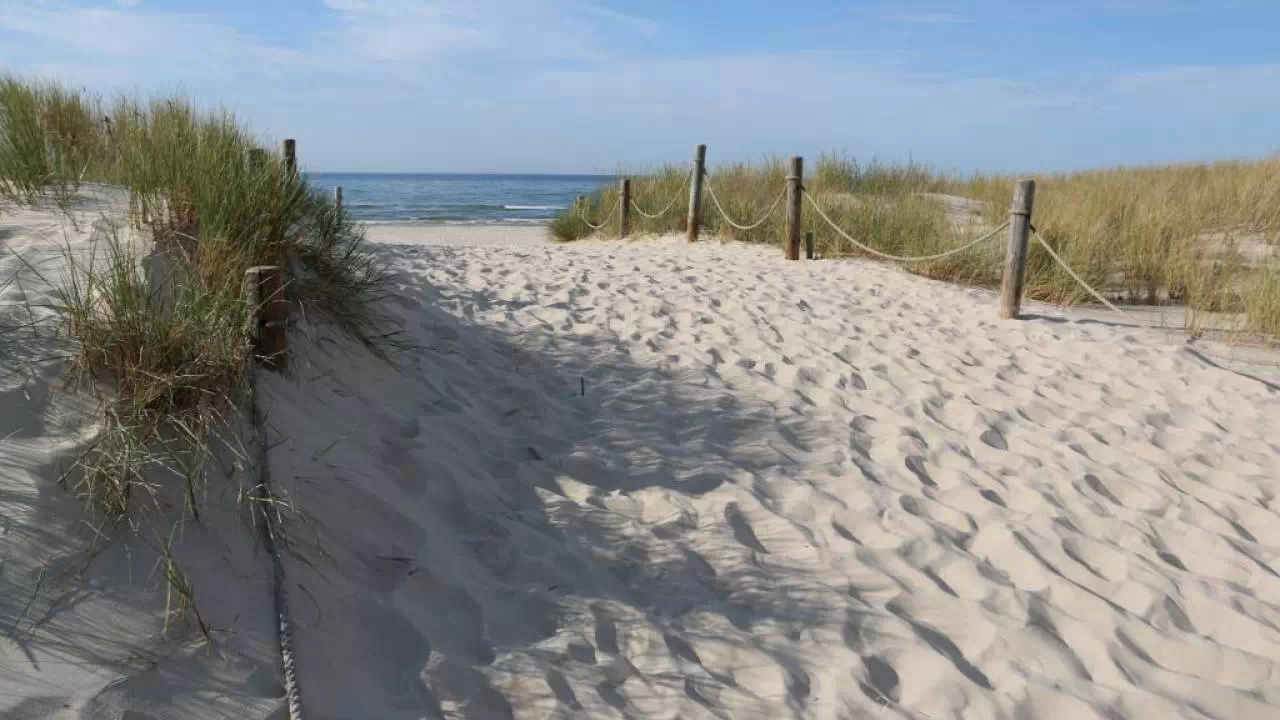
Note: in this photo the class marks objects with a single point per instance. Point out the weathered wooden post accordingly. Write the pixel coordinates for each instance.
(808, 245)
(624, 216)
(337, 199)
(1015, 266)
(269, 315)
(578, 203)
(695, 191)
(795, 186)
(289, 148)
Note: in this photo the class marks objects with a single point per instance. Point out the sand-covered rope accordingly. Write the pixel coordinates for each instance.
(271, 538)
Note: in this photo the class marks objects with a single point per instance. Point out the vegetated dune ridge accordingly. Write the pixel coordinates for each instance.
(83, 631)
(656, 480)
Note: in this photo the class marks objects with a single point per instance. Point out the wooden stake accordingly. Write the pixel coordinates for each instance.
(269, 312)
(794, 188)
(624, 215)
(337, 199)
(578, 203)
(289, 148)
(808, 245)
(1015, 266)
(695, 191)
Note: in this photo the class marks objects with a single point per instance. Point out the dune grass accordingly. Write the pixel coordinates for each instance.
(1203, 236)
(168, 333)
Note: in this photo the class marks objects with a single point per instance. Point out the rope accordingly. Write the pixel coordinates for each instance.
(901, 258)
(711, 191)
(270, 533)
(602, 222)
(1076, 277)
(670, 205)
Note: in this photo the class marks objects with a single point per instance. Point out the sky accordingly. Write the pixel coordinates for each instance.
(594, 85)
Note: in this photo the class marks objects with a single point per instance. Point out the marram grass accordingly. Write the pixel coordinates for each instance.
(214, 203)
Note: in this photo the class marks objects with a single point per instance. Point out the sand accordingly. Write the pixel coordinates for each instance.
(649, 480)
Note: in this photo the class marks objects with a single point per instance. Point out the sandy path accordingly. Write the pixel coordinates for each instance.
(652, 480)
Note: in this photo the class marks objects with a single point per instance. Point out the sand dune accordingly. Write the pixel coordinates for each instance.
(82, 602)
(650, 480)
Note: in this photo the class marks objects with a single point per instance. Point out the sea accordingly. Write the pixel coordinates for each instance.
(456, 199)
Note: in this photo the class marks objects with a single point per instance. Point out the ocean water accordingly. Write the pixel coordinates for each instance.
(456, 199)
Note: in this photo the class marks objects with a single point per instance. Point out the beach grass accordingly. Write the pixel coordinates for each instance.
(156, 308)
(1201, 236)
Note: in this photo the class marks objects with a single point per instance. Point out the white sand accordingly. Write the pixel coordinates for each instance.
(649, 480)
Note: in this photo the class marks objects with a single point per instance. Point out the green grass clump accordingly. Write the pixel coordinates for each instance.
(206, 200)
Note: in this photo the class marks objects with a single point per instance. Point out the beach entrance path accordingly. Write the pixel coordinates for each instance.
(654, 480)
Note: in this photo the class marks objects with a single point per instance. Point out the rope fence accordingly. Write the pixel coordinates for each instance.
(900, 258)
(674, 199)
(1019, 228)
(725, 216)
(603, 222)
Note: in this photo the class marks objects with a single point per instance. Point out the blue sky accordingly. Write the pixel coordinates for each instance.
(588, 85)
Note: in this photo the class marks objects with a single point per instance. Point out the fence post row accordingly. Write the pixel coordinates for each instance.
(289, 149)
(263, 292)
(794, 188)
(624, 218)
(1015, 267)
(695, 191)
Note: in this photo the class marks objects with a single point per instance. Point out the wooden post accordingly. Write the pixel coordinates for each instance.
(695, 191)
(337, 199)
(794, 188)
(269, 315)
(578, 203)
(1015, 267)
(289, 148)
(808, 245)
(624, 217)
